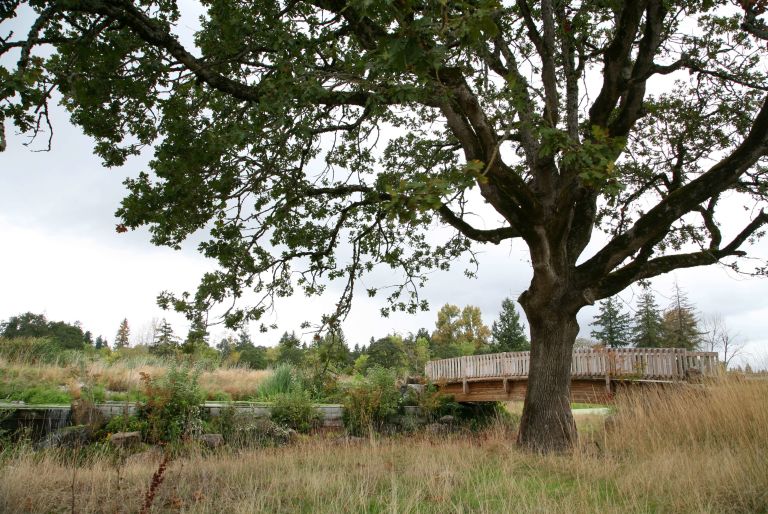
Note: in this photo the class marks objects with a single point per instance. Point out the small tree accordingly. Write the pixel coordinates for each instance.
(717, 337)
(680, 325)
(614, 325)
(289, 349)
(166, 342)
(197, 337)
(646, 326)
(101, 343)
(508, 331)
(123, 333)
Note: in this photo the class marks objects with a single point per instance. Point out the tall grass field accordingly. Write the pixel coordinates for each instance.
(696, 448)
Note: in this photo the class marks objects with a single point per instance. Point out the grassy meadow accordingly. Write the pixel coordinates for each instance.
(59, 383)
(692, 449)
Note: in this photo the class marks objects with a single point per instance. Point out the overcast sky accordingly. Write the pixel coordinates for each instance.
(60, 255)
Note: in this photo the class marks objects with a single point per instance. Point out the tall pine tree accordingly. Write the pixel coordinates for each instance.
(646, 326)
(680, 325)
(614, 325)
(165, 342)
(508, 332)
(121, 339)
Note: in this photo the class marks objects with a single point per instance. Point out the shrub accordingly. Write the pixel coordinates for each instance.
(125, 423)
(295, 410)
(478, 416)
(434, 404)
(172, 409)
(244, 430)
(369, 402)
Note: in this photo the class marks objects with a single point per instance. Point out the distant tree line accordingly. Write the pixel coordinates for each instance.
(458, 331)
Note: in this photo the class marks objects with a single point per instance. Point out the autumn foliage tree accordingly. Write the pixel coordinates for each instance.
(318, 139)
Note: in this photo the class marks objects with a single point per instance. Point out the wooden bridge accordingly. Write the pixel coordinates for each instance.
(596, 374)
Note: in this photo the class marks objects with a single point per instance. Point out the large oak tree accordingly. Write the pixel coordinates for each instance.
(318, 138)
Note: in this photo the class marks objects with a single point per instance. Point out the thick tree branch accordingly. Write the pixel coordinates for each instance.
(652, 226)
(640, 268)
(616, 56)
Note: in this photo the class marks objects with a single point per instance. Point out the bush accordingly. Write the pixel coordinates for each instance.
(125, 423)
(369, 402)
(478, 416)
(172, 409)
(295, 410)
(434, 404)
(244, 430)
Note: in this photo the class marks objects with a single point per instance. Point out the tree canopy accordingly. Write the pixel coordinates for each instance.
(317, 139)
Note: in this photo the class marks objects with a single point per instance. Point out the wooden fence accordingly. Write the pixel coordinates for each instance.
(621, 363)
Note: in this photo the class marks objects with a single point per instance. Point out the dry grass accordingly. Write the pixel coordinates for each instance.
(239, 383)
(690, 450)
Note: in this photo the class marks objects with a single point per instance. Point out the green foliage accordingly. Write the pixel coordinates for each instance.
(477, 416)
(123, 333)
(434, 404)
(387, 352)
(32, 350)
(614, 325)
(646, 326)
(243, 430)
(459, 332)
(172, 409)
(295, 410)
(370, 401)
(39, 394)
(125, 423)
(679, 324)
(282, 380)
(255, 357)
(66, 336)
(166, 343)
(508, 332)
(289, 350)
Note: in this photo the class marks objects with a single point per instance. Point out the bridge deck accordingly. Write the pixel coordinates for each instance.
(596, 374)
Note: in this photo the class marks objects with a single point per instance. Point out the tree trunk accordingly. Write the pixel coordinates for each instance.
(547, 423)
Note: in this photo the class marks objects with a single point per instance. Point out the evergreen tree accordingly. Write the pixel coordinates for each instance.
(121, 339)
(227, 345)
(289, 349)
(197, 337)
(646, 327)
(614, 324)
(166, 342)
(680, 325)
(243, 340)
(101, 343)
(508, 332)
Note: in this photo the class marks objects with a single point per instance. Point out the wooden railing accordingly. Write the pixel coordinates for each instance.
(625, 363)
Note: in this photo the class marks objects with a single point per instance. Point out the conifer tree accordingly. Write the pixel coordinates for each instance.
(121, 339)
(508, 332)
(646, 327)
(165, 342)
(613, 324)
(680, 324)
